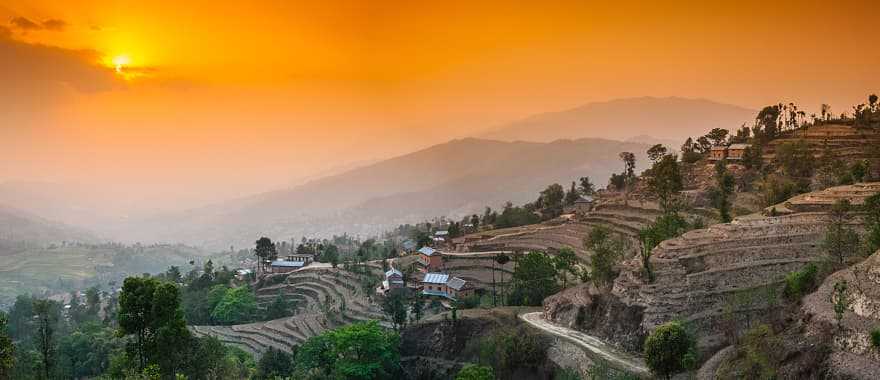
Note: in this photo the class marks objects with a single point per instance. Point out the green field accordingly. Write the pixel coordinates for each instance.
(61, 269)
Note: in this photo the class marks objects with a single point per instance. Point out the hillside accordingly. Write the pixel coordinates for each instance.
(20, 226)
(663, 118)
(454, 179)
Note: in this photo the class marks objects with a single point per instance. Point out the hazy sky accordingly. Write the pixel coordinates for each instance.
(182, 102)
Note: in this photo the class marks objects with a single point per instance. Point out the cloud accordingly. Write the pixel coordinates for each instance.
(54, 24)
(26, 25)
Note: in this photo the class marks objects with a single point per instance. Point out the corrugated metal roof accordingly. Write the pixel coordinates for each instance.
(393, 271)
(584, 199)
(738, 146)
(456, 283)
(427, 251)
(436, 278)
(287, 264)
(441, 233)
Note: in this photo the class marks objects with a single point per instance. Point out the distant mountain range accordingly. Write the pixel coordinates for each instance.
(21, 226)
(663, 118)
(451, 179)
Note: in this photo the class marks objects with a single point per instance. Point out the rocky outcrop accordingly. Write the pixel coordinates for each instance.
(704, 272)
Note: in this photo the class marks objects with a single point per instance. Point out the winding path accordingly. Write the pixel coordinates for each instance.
(595, 346)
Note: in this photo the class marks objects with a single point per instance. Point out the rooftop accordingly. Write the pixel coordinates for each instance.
(427, 251)
(393, 271)
(738, 146)
(456, 283)
(288, 264)
(436, 278)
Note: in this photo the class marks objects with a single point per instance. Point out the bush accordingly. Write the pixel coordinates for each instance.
(670, 349)
(475, 372)
(800, 282)
(875, 338)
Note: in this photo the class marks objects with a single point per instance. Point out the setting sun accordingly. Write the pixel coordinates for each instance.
(120, 61)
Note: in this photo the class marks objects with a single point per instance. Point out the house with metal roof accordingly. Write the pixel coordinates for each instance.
(442, 285)
(430, 259)
(285, 266)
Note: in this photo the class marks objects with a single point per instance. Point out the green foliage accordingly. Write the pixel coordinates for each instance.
(512, 216)
(586, 187)
(357, 351)
(86, 352)
(275, 364)
(778, 189)
(280, 308)
(475, 372)
(566, 263)
(795, 159)
(607, 252)
(664, 180)
(571, 195)
(601, 370)
(840, 300)
(551, 201)
(7, 350)
(47, 313)
(760, 349)
(670, 349)
(395, 307)
(510, 350)
(800, 282)
(150, 311)
(840, 240)
(875, 338)
(752, 157)
(238, 305)
(871, 208)
(720, 194)
(534, 279)
(265, 250)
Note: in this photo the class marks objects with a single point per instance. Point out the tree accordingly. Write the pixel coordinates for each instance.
(565, 262)
(826, 111)
(238, 305)
(718, 136)
(279, 308)
(841, 301)
(629, 164)
(669, 350)
(275, 364)
(665, 181)
(840, 240)
(475, 372)
(551, 200)
(358, 351)
(703, 144)
(607, 251)
(720, 194)
(871, 209)
(394, 306)
(47, 316)
(93, 302)
(331, 255)
(586, 187)
(265, 251)
(534, 279)
(572, 195)
(151, 312)
(656, 152)
(416, 308)
(7, 350)
(501, 259)
(795, 159)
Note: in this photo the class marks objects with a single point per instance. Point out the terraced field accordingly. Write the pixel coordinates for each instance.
(320, 293)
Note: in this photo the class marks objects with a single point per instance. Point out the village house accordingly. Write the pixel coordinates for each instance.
(582, 205)
(441, 236)
(306, 258)
(442, 285)
(285, 266)
(717, 153)
(732, 152)
(430, 259)
(736, 151)
(393, 280)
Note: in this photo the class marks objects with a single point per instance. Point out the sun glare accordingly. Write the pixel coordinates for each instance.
(120, 61)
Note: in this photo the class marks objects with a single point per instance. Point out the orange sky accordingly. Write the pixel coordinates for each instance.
(234, 98)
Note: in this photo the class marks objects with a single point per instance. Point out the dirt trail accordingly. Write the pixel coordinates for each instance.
(595, 346)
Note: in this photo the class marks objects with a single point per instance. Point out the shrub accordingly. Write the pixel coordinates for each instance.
(799, 282)
(475, 372)
(670, 349)
(875, 338)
